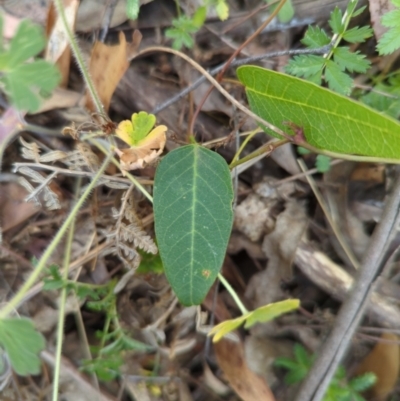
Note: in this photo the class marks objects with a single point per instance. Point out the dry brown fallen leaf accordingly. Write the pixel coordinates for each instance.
(247, 384)
(107, 66)
(383, 361)
(149, 149)
(58, 50)
(14, 209)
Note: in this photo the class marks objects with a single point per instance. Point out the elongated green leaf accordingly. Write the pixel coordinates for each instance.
(23, 344)
(223, 328)
(269, 312)
(260, 315)
(193, 219)
(329, 121)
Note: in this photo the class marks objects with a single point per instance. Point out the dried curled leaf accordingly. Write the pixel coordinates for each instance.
(145, 144)
(50, 198)
(31, 151)
(145, 152)
(129, 234)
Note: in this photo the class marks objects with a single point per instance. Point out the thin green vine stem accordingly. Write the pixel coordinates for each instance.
(344, 156)
(267, 148)
(233, 294)
(63, 300)
(79, 59)
(245, 142)
(337, 38)
(10, 306)
(130, 177)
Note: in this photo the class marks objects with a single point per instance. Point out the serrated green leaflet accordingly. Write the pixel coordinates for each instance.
(193, 219)
(142, 123)
(329, 121)
(25, 83)
(22, 344)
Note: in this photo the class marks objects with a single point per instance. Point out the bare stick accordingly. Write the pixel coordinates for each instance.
(235, 63)
(326, 364)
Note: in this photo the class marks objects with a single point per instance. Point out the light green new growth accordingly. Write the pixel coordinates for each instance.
(339, 61)
(390, 41)
(26, 82)
(340, 388)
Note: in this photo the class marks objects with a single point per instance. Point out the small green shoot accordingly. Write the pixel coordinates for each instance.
(114, 343)
(339, 62)
(390, 41)
(182, 32)
(23, 344)
(132, 9)
(26, 82)
(340, 389)
(184, 27)
(385, 96)
(150, 264)
(134, 131)
(109, 360)
(323, 163)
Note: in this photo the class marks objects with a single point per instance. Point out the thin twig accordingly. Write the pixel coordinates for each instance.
(77, 173)
(218, 87)
(235, 63)
(232, 57)
(345, 246)
(326, 364)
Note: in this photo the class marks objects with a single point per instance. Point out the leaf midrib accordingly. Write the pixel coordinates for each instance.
(193, 221)
(329, 112)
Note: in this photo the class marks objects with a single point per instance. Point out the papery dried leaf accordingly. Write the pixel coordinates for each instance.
(27, 185)
(52, 156)
(30, 150)
(91, 159)
(137, 157)
(111, 184)
(58, 50)
(128, 237)
(72, 131)
(139, 238)
(34, 175)
(50, 198)
(107, 66)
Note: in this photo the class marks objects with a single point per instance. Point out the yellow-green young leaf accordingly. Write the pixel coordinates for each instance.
(199, 16)
(222, 329)
(134, 131)
(329, 121)
(193, 219)
(269, 312)
(222, 9)
(22, 344)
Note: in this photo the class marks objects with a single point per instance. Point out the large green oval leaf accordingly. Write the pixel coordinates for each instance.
(330, 121)
(193, 219)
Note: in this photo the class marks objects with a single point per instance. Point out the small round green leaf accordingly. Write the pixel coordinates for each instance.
(193, 219)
